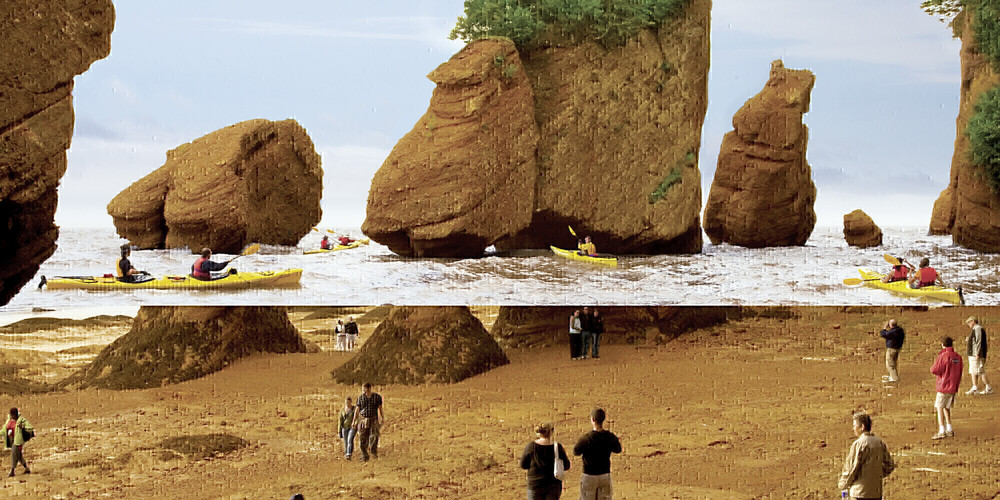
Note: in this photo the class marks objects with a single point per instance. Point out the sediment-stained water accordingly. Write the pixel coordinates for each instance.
(371, 275)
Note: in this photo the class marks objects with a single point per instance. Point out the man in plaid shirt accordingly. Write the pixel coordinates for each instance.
(368, 419)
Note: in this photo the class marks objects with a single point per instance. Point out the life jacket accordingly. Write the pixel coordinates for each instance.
(589, 249)
(344, 240)
(927, 276)
(197, 272)
(325, 244)
(118, 268)
(899, 272)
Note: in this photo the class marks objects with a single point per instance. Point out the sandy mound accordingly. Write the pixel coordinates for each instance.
(416, 345)
(173, 344)
(34, 324)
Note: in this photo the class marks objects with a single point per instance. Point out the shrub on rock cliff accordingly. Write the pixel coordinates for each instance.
(984, 136)
(524, 21)
(986, 26)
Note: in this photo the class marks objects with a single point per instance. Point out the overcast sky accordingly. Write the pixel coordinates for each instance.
(882, 120)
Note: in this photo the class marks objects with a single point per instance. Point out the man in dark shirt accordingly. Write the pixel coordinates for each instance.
(368, 420)
(894, 336)
(596, 448)
(587, 331)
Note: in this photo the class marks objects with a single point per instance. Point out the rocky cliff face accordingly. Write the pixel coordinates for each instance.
(167, 345)
(417, 345)
(257, 181)
(763, 194)
(610, 145)
(967, 208)
(860, 230)
(521, 326)
(45, 43)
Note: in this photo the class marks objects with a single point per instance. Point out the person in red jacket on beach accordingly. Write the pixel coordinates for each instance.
(948, 369)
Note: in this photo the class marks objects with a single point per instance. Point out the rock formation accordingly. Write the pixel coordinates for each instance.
(763, 194)
(45, 44)
(967, 208)
(167, 345)
(860, 230)
(416, 345)
(605, 140)
(464, 176)
(519, 325)
(257, 181)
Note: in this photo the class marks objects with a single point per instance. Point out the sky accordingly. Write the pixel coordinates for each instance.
(881, 122)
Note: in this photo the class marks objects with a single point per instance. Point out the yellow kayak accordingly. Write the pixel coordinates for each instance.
(873, 279)
(263, 279)
(354, 244)
(573, 255)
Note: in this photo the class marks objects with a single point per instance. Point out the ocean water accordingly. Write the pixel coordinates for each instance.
(372, 275)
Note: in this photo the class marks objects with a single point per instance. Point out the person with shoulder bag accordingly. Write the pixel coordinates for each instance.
(17, 431)
(546, 462)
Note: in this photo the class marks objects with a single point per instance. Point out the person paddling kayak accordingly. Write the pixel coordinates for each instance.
(900, 272)
(203, 267)
(326, 244)
(345, 240)
(586, 247)
(124, 270)
(926, 275)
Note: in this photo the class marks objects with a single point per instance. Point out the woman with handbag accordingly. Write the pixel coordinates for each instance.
(546, 462)
(17, 430)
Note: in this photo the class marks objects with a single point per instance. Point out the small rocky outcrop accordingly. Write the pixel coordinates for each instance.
(968, 209)
(603, 139)
(860, 230)
(417, 345)
(167, 345)
(45, 43)
(763, 194)
(257, 181)
(521, 325)
(464, 176)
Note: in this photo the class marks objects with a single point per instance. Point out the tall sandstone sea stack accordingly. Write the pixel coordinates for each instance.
(516, 145)
(967, 208)
(763, 194)
(257, 181)
(43, 45)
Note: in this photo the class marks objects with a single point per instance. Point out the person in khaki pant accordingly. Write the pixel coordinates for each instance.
(868, 462)
(596, 448)
(894, 337)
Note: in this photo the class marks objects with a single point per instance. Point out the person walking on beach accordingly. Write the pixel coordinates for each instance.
(596, 448)
(539, 459)
(575, 330)
(341, 336)
(976, 351)
(351, 328)
(948, 370)
(586, 332)
(596, 329)
(16, 431)
(346, 427)
(368, 420)
(894, 337)
(868, 462)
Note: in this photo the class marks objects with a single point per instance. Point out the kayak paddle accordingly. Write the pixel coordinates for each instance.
(858, 281)
(250, 250)
(890, 259)
(571, 231)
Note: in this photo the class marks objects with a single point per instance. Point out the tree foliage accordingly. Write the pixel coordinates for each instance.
(945, 10)
(984, 136)
(986, 26)
(611, 22)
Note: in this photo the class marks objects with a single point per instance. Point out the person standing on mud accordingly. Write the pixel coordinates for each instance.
(346, 427)
(16, 431)
(539, 459)
(976, 351)
(597, 328)
(894, 337)
(868, 462)
(586, 332)
(948, 369)
(341, 336)
(596, 448)
(368, 420)
(575, 329)
(351, 328)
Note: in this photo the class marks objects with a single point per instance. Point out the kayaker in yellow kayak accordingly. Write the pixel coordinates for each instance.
(345, 240)
(326, 244)
(203, 267)
(900, 272)
(586, 247)
(124, 270)
(926, 275)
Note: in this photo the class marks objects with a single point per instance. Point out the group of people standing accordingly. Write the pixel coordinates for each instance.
(347, 334)
(585, 329)
(546, 461)
(362, 420)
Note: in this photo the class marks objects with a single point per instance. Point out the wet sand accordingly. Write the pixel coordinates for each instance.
(757, 408)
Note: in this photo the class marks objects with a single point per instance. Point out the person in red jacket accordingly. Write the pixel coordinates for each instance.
(898, 273)
(926, 275)
(948, 369)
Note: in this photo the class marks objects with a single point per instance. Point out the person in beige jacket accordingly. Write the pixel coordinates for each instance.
(867, 463)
